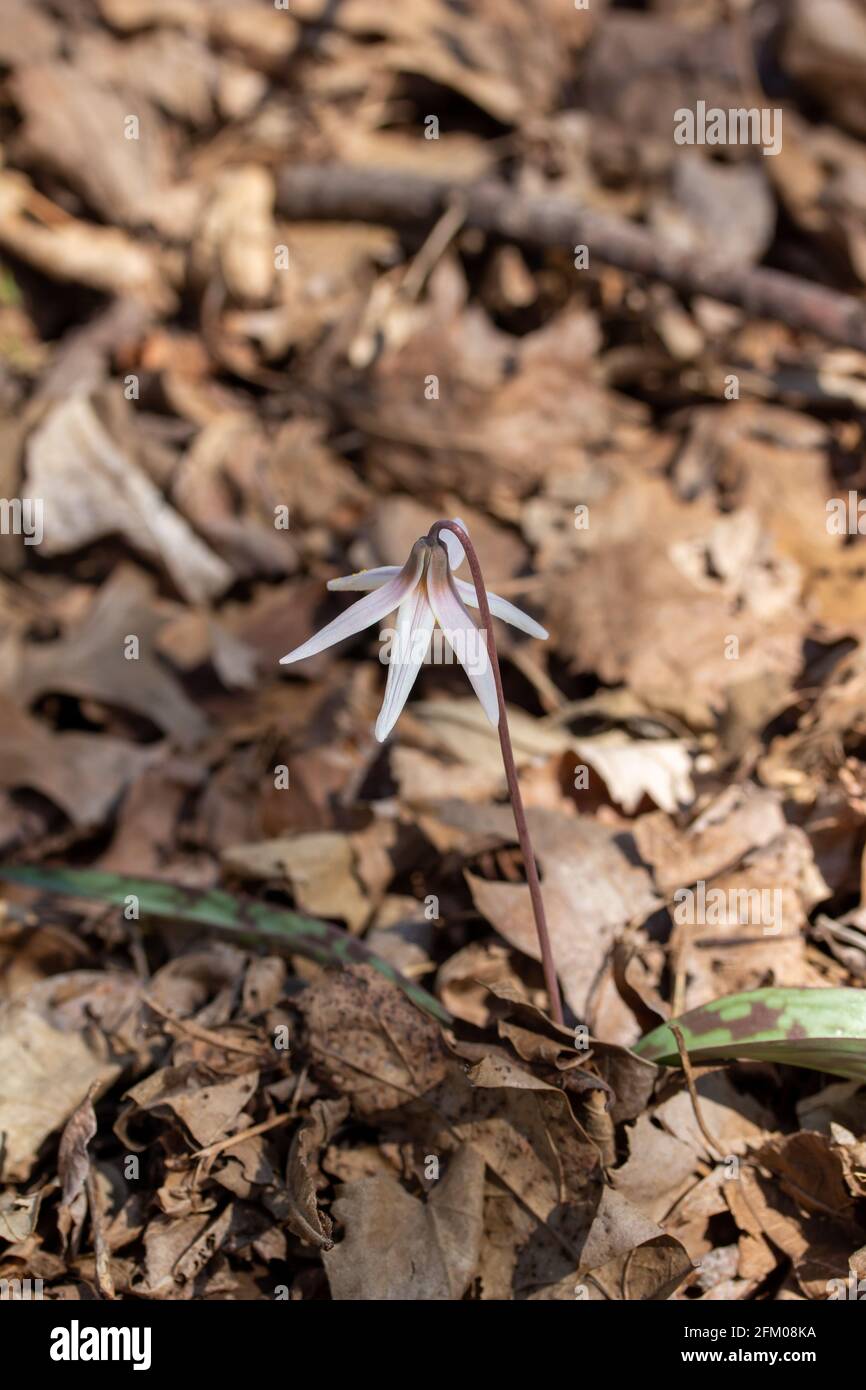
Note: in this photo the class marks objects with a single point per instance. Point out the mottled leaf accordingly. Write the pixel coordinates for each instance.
(822, 1029)
(220, 911)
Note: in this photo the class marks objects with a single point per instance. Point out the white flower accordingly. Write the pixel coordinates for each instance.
(424, 591)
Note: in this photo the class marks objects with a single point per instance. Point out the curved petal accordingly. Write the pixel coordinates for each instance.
(367, 610)
(415, 623)
(456, 553)
(501, 608)
(461, 634)
(365, 579)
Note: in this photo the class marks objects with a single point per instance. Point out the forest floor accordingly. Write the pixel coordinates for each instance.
(225, 381)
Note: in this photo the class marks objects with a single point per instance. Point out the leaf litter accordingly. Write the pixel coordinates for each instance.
(272, 1022)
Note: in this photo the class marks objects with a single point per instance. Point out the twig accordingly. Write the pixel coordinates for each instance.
(195, 1030)
(211, 1150)
(550, 980)
(206, 1158)
(346, 193)
(689, 1074)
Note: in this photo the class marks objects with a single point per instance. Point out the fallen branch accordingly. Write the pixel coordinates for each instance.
(345, 193)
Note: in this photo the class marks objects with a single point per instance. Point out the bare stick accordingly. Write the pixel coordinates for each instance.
(688, 1072)
(525, 842)
(394, 198)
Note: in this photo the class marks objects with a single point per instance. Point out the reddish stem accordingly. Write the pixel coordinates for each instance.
(525, 842)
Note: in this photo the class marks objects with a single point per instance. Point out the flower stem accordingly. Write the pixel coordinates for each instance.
(524, 840)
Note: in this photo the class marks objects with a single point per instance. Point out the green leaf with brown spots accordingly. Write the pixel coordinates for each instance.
(250, 921)
(822, 1029)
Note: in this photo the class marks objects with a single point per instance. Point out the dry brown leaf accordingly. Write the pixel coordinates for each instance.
(84, 774)
(45, 1075)
(397, 1247)
(321, 869)
(73, 1162)
(370, 1042)
(208, 1108)
(630, 768)
(72, 456)
(304, 1215)
(66, 115)
(626, 1256)
(660, 1168)
(591, 890)
(67, 249)
(90, 663)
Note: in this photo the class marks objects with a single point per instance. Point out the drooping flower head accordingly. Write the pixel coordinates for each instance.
(424, 592)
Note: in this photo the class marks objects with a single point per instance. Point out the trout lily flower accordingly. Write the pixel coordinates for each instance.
(424, 592)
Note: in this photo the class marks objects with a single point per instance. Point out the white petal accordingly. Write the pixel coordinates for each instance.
(456, 553)
(415, 622)
(365, 579)
(367, 610)
(501, 608)
(467, 641)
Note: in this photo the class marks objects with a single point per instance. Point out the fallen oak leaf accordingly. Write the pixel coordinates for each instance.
(627, 1080)
(72, 455)
(88, 663)
(84, 774)
(320, 866)
(398, 1247)
(168, 1240)
(630, 768)
(206, 1108)
(817, 1247)
(810, 1169)
(592, 890)
(43, 1074)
